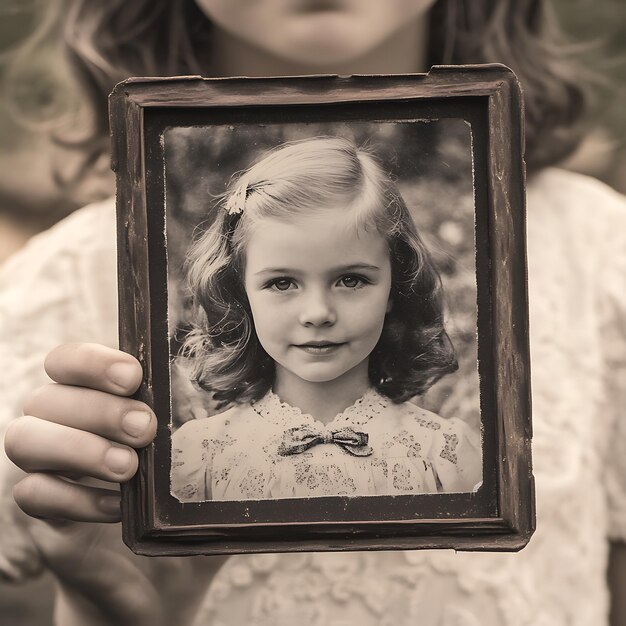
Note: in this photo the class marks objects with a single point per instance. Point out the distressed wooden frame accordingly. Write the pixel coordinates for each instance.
(501, 515)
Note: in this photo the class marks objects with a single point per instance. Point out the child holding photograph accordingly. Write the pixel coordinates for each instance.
(61, 289)
(320, 314)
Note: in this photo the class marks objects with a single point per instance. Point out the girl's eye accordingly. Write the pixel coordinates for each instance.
(281, 284)
(351, 282)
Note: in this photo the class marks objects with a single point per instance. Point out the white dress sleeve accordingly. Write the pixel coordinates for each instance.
(612, 313)
(61, 287)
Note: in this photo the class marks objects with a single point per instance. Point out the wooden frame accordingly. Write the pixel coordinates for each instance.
(498, 516)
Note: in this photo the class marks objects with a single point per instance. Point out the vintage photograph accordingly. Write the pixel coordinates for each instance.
(322, 310)
(326, 288)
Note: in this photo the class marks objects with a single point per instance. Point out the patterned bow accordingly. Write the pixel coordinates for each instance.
(301, 438)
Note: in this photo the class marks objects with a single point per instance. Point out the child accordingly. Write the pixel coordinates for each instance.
(62, 289)
(313, 287)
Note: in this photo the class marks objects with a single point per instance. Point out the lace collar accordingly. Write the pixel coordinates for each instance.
(274, 410)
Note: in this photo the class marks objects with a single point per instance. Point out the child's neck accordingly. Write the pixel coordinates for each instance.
(322, 400)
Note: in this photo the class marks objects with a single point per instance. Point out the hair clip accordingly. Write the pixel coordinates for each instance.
(237, 200)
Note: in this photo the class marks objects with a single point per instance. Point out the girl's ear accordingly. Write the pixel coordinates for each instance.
(389, 305)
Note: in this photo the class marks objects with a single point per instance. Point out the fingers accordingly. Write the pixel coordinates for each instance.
(114, 417)
(95, 366)
(82, 425)
(49, 497)
(38, 445)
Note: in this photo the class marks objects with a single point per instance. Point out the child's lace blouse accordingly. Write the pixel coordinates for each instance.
(253, 452)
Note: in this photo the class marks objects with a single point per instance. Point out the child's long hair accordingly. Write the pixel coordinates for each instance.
(111, 40)
(302, 178)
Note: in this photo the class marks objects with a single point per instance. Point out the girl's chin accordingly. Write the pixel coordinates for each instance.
(321, 41)
(319, 378)
(322, 375)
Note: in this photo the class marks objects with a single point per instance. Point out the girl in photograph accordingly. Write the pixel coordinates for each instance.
(320, 315)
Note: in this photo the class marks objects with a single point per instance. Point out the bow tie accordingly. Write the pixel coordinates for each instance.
(301, 438)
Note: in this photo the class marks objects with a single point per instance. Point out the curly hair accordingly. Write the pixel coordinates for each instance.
(312, 175)
(109, 41)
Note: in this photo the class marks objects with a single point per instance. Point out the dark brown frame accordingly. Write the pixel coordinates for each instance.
(500, 515)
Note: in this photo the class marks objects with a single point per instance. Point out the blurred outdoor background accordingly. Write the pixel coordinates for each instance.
(41, 118)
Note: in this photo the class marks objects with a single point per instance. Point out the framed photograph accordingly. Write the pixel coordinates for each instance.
(324, 279)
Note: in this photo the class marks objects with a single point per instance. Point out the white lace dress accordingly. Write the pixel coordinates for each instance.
(62, 288)
(256, 451)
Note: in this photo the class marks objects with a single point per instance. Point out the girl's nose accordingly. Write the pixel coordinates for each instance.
(317, 310)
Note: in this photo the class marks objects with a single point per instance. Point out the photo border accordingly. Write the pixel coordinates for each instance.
(500, 515)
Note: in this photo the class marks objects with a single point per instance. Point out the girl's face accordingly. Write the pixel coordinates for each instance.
(314, 31)
(319, 291)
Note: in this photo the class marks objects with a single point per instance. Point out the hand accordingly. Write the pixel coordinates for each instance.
(85, 426)
(82, 425)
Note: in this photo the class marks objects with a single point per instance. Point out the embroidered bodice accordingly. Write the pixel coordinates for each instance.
(240, 454)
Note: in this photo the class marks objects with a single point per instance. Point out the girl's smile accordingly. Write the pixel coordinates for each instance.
(318, 289)
(320, 348)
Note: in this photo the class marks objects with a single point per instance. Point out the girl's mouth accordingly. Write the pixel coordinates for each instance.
(319, 347)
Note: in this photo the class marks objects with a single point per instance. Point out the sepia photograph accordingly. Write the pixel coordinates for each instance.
(314, 310)
(326, 291)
